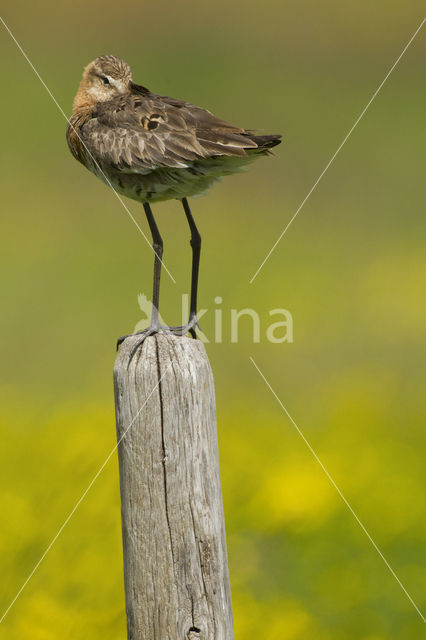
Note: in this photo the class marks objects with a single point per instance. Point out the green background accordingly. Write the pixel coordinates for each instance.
(351, 270)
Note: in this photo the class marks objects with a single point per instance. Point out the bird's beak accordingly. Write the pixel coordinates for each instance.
(138, 88)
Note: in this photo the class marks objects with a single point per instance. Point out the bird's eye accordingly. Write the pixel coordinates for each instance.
(105, 80)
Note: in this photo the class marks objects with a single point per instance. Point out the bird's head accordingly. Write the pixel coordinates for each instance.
(103, 79)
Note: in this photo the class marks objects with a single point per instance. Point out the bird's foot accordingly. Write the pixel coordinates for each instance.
(182, 330)
(149, 331)
(189, 327)
(144, 334)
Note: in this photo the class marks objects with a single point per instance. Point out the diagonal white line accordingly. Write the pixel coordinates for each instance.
(337, 489)
(337, 151)
(107, 180)
(82, 497)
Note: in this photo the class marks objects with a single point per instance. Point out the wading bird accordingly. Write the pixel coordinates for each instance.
(151, 148)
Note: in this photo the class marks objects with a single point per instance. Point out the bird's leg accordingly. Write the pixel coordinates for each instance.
(157, 245)
(196, 251)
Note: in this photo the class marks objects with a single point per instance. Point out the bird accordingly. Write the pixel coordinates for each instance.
(153, 148)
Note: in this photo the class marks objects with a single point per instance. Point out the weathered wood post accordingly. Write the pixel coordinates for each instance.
(175, 562)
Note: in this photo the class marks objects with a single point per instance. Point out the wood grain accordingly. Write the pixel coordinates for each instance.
(175, 561)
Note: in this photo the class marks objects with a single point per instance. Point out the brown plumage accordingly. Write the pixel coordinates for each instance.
(152, 147)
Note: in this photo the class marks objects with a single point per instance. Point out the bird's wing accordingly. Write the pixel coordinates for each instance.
(137, 133)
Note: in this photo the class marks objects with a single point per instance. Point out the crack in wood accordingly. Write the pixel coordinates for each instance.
(163, 446)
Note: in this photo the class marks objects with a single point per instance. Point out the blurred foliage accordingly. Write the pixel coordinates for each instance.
(351, 270)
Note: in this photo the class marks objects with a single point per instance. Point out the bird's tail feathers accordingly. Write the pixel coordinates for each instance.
(266, 142)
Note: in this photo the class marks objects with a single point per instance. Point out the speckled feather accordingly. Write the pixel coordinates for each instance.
(151, 147)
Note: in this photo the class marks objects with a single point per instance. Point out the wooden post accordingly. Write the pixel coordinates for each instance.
(175, 562)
